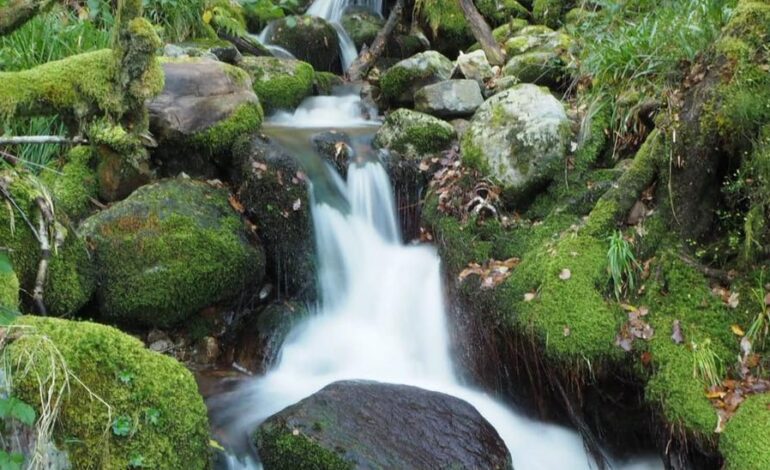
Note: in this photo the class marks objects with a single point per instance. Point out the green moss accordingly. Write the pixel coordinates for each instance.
(395, 81)
(128, 380)
(70, 281)
(78, 85)
(500, 11)
(593, 136)
(9, 290)
(445, 21)
(362, 27)
(472, 154)
(258, 14)
(548, 12)
(280, 448)
(246, 119)
(169, 250)
(414, 134)
(745, 443)
(324, 82)
(280, 83)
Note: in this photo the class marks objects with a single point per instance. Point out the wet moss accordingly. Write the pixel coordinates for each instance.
(745, 443)
(167, 251)
(9, 290)
(279, 447)
(548, 12)
(324, 82)
(74, 183)
(158, 396)
(445, 21)
(499, 12)
(414, 134)
(280, 83)
(218, 139)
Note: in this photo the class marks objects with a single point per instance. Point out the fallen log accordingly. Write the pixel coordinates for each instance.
(483, 33)
(366, 59)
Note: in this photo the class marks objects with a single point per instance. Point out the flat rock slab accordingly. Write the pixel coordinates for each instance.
(449, 99)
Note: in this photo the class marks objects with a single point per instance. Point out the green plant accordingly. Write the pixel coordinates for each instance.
(622, 264)
(122, 426)
(706, 364)
(760, 326)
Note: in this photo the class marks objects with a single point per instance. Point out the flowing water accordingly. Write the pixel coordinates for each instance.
(382, 314)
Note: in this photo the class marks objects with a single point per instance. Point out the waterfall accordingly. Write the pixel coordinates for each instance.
(382, 314)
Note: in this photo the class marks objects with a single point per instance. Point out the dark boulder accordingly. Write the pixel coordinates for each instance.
(362, 424)
(336, 148)
(310, 39)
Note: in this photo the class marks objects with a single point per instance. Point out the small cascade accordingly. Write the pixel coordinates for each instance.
(320, 111)
(382, 314)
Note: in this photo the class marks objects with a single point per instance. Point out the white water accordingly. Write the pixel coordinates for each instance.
(382, 318)
(326, 111)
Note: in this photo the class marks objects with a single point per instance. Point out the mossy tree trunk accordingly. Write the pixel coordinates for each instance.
(15, 13)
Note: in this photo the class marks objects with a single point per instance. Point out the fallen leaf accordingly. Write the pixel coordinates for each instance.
(529, 297)
(297, 204)
(676, 334)
(624, 343)
(737, 331)
(424, 165)
(567, 331)
(565, 274)
(767, 299)
(712, 394)
(643, 311)
(646, 357)
(236, 204)
(732, 301)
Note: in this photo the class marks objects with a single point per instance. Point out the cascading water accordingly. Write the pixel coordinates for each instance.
(382, 313)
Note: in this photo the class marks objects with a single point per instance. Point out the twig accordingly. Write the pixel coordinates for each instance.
(359, 68)
(41, 139)
(45, 223)
(718, 274)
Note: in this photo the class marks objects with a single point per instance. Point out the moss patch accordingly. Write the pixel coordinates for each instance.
(218, 139)
(279, 447)
(745, 443)
(9, 290)
(414, 134)
(154, 394)
(279, 83)
(74, 183)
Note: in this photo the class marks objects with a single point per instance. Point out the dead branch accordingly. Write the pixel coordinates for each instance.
(46, 223)
(17, 12)
(483, 33)
(360, 67)
(41, 139)
(726, 277)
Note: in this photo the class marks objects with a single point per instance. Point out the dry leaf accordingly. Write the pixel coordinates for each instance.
(737, 331)
(676, 334)
(236, 204)
(732, 301)
(565, 274)
(567, 331)
(529, 297)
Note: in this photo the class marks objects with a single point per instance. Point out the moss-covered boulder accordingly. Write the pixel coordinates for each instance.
(541, 68)
(74, 183)
(273, 190)
(413, 134)
(549, 12)
(361, 25)
(123, 407)
(279, 83)
(402, 80)
(498, 12)
(310, 39)
(519, 137)
(362, 424)
(745, 443)
(70, 278)
(445, 25)
(169, 250)
(450, 98)
(217, 49)
(9, 286)
(537, 39)
(324, 82)
(205, 105)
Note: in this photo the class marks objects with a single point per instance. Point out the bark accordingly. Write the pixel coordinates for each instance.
(17, 12)
(483, 33)
(360, 67)
(244, 44)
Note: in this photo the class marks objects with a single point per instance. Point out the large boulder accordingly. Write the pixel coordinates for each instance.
(308, 38)
(205, 105)
(519, 137)
(401, 81)
(501, 11)
(449, 99)
(361, 424)
(538, 55)
(169, 250)
(279, 83)
(69, 283)
(414, 134)
(121, 406)
(272, 188)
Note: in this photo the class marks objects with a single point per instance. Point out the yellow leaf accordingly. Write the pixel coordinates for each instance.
(207, 15)
(715, 394)
(737, 331)
(216, 445)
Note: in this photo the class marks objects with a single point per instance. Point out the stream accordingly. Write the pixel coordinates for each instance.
(381, 314)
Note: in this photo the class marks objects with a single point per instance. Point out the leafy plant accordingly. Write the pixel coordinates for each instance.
(11, 460)
(153, 416)
(122, 426)
(760, 326)
(125, 377)
(137, 461)
(706, 364)
(622, 264)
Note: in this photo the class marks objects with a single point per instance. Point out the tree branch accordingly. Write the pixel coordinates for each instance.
(17, 12)
(366, 59)
(41, 139)
(483, 33)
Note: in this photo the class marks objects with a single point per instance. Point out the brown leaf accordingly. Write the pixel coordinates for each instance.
(732, 301)
(567, 330)
(737, 331)
(646, 358)
(236, 204)
(529, 297)
(676, 334)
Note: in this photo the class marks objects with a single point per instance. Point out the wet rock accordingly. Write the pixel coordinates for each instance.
(216, 49)
(279, 83)
(272, 188)
(413, 134)
(400, 82)
(204, 106)
(450, 98)
(475, 66)
(361, 424)
(520, 137)
(335, 147)
(310, 39)
(169, 250)
(361, 25)
(259, 341)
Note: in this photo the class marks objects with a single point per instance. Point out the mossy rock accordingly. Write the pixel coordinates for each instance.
(413, 134)
(538, 39)
(9, 289)
(219, 49)
(445, 24)
(279, 83)
(70, 282)
(324, 82)
(74, 182)
(204, 107)
(169, 250)
(310, 39)
(272, 188)
(361, 25)
(402, 80)
(549, 12)
(745, 443)
(540, 68)
(498, 12)
(112, 379)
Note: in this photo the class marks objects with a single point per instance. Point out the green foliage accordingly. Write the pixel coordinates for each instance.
(122, 426)
(760, 326)
(706, 364)
(13, 408)
(622, 264)
(11, 461)
(745, 442)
